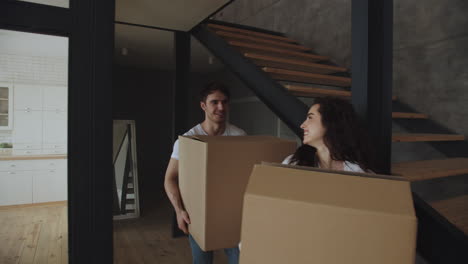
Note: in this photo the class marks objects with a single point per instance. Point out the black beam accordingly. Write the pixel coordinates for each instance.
(181, 82)
(90, 167)
(287, 107)
(439, 241)
(372, 36)
(146, 26)
(35, 18)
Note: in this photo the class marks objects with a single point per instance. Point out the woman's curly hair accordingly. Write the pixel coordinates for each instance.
(345, 136)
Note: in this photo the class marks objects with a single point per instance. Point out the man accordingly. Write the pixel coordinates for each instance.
(214, 100)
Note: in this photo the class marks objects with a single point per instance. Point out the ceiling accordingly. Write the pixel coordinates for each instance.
(152, 48)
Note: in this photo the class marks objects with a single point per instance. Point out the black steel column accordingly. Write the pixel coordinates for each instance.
(181, 82)
(181, 99)
(372, 36)
(90, 132)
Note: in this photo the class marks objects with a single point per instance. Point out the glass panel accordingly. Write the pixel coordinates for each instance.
(59, 3)
(33, 147)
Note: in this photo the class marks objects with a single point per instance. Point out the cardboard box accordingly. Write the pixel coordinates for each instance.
(213, 175)
(296, 214)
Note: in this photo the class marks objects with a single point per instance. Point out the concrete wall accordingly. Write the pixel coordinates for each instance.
(430, 57)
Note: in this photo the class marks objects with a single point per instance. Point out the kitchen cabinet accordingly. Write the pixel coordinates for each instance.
(27, 128)
(40, 123)
(33, 181)
(28, 97)
(55, 98)
(6, 106)
(54, 127)
(51, 184)
(15, 187)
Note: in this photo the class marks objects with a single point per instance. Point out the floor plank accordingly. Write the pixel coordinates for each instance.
(33, 233)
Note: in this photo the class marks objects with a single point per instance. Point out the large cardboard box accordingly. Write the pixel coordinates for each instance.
(213, 175)
(301, 215)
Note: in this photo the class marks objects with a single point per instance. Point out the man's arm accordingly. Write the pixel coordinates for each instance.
(171, 184)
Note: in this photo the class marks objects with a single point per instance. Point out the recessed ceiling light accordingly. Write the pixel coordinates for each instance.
(124, 51)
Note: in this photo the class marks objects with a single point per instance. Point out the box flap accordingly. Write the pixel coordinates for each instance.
(246, 139)
(359, 174)
(377, 194)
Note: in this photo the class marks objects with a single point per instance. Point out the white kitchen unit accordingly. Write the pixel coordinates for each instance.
(6, 106)
(15, 187)
(28, 97)
(51, 184)
(33, 181)
(40, 122)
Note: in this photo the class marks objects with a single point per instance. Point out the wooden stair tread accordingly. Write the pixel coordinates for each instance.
(307, 77)
(309, 91)
(409, 115)
(292, 64)
(431, 169)
(250, 32)
(241, 37)
(399, 137)
(455, 210)
(314, 91)
(277, 51)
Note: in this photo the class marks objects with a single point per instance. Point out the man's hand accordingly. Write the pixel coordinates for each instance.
(183, 220)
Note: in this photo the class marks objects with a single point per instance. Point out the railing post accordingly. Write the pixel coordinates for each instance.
(372, 37)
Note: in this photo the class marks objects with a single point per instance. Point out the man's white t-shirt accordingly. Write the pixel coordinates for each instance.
(230, 130)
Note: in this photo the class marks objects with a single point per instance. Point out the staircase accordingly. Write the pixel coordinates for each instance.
(300, 72)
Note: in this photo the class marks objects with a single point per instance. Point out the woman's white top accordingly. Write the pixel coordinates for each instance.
(348, 166)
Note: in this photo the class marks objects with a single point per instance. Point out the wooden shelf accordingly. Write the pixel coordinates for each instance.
(397, 137)
(250, 32)
(306, 77)
(292, 64)
(270, 42)
(431, 169)
(280, 52)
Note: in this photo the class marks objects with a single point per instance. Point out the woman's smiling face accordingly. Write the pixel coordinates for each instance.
(313, 128)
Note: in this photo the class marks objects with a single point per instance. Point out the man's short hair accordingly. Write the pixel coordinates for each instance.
(211, 88)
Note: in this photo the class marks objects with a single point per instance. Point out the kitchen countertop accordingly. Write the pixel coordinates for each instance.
(32, 157)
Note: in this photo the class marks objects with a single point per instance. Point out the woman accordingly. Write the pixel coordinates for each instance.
(333, 138)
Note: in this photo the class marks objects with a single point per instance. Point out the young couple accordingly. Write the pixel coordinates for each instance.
(333, 139)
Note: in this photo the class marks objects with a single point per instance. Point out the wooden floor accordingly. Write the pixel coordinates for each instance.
(34, 234)
(38, 234)
(148, 238)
